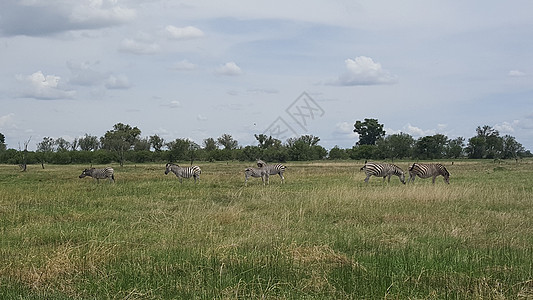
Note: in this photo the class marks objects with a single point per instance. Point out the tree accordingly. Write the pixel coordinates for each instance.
(2, 142)
(395, 146)
(228, 142)
(487, 143)
(511, 148)
(120, 139)
(305, 148)
(210, 144)
(156, 142)
(88, 143)
(431, 147)
(454, 148)
(62, 144)
(369, 131)
(266, 142)
(338, 153)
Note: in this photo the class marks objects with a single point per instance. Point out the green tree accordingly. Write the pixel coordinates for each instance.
(455, 148)
(88, 143)
(511, 148)
(431, 147)
(62, 145)
(369, 131)
(2, 142)
(267, 141)
(228, 142)
(395, 146)
(156, 142)
(210, 144)
(338, 153)
(305, 148)
(120, 139)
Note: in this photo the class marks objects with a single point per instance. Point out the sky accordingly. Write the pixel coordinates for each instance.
(200, 69)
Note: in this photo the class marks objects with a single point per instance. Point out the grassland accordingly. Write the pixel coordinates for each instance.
(322, 235)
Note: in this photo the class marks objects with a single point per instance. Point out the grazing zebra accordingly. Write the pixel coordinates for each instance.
(187, 172)
(255, 172)
(98, 174)
(272, 170)
(428, 170)
(383, 170)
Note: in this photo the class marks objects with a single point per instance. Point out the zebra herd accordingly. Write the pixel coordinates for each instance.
(264, 171)
(421, 170)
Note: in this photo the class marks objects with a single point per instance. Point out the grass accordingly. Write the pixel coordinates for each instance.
(324, 234)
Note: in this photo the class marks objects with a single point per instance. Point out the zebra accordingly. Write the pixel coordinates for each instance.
(255, 172)
(98, 174)
(428, 170)
(181, 173)
(382, 170)
(272, 170)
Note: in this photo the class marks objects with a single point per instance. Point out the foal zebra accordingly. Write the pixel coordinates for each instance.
(428, 170)
(186, 172)
(98, 174)
(272, 170)
(383, 170)
(255, 172)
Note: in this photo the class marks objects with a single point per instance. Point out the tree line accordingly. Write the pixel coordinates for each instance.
(124, 143)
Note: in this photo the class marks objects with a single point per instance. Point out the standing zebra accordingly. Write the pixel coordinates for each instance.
(428, 170)
(272, 170)
(98, 174)
(187, 172)
(255, 172)
(383, 170)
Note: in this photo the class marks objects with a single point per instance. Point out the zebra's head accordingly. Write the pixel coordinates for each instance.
(86, 172)
(167, 168)
(402, 177)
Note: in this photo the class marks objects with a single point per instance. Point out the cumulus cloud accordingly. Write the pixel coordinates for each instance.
(516, 73)
(201, 118)
(184, 65)
(138, 47)
(364, 71)
(39, 18)
(416, 131)
(229, 69)
(117, 82)
(42, 87)
(172, 104)
(183, 33)
(506, 127)
(6, 120)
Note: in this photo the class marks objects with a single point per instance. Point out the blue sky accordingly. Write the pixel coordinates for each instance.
(199, 69)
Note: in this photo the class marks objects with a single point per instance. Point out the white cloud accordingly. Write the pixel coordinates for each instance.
(506, 127)
(138, 47)
(418, 132)
(117, 82)
(201, 118)
(184, 65)
(182, 33)
(364, 71)
(516, 73)
(39, 86)
(6, 120)
(229, 69)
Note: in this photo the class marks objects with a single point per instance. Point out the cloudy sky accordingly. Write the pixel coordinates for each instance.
(199, 69)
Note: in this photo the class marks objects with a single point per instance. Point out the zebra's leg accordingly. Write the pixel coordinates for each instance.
(367, 177)
(434, 179)
(181, 179)
(245, 180)
(282, 178)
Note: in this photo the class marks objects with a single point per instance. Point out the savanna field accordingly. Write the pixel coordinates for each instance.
(324, 234)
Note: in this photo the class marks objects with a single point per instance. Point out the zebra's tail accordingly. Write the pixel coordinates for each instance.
(411, 167)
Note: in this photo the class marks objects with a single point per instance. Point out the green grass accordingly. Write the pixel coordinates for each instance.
(324, 234)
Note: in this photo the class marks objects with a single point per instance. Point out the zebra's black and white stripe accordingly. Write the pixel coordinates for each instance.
(272, 169)
(428, 170)
(186, 172)
(383, 170)
(255, 172)
(98, 174)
